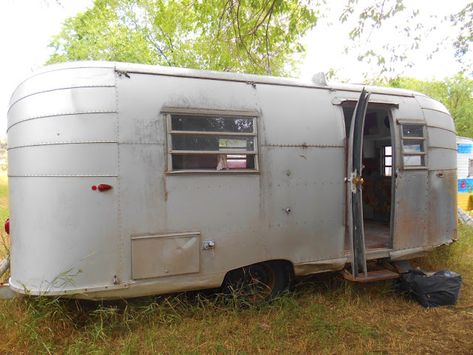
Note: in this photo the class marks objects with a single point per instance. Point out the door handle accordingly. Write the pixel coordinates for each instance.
(358, 181)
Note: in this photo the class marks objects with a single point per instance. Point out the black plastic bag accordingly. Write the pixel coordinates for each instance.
(432, 290)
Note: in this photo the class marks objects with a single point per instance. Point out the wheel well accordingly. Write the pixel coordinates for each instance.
(286, 264)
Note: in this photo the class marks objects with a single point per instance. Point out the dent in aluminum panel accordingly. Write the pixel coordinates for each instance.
(64, 235)
(62, 79)
(63, 102)
(71, 128)
(63, 159)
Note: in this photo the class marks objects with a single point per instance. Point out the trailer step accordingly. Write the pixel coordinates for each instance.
(372, 276)
(402, 266)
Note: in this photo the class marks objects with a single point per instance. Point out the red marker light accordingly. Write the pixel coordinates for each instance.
(7, 226)
(94, 187)
(104, 187)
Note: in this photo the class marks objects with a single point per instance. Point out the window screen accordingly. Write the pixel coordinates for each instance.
(413, 146)
(212, 143)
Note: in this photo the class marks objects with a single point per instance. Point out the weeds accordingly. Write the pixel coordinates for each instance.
(322, 315)
(4, 254)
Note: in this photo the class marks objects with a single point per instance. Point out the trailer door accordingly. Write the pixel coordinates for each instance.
(355, 185)
(413, 183)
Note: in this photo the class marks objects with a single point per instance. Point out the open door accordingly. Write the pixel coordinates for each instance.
(355, 186)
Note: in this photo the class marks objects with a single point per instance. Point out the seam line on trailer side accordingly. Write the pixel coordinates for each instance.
(302, 146)
(58, 89)
(60, 114)
(58, 69)
(437, 147)
(442, 128)
(245, 81)
(119, 212)
(426, 247)
(63, 175)
(40, 144)
(433, 109)
(454, 169)
(83, 142)
(144, 143)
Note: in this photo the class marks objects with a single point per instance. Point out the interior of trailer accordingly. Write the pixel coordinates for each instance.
(378, 162)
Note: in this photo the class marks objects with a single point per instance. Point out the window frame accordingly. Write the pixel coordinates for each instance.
(383, 160)
(168, 112)
(405, 139)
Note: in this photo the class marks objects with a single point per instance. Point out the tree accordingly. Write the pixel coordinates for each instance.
(455, 93)
(228, 35)
(415, 32)
(464, 21)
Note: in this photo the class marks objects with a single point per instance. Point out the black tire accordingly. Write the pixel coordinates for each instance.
(259, 282)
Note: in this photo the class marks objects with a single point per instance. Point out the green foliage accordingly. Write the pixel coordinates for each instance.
(464, 21)
(455, 93)
(414, 28)
(227, 35)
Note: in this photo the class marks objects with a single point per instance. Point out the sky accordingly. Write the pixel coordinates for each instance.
(26, 28)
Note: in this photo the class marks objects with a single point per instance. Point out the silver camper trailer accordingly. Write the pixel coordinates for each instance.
(128, 180)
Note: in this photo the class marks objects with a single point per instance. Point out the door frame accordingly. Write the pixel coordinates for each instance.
(354, 189)
(389, 106)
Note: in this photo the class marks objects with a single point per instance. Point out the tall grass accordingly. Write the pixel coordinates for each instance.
(323, 314)
(4, 213)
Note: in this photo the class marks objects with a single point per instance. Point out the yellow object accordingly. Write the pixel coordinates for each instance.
(465, 201)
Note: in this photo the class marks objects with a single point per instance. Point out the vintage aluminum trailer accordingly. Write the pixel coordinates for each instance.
(128, 180)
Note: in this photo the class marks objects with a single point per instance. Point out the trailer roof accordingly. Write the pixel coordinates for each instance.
(227, 76)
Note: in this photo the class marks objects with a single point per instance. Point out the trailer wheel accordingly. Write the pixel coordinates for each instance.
(259, 282)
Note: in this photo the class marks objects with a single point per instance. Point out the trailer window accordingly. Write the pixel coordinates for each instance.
(387, 152)
(413, 146)
(215, 143)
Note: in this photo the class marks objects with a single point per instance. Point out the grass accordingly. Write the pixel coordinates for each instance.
(4, 245)
(322, 315)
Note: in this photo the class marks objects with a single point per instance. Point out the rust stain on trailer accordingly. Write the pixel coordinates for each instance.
(165, 189)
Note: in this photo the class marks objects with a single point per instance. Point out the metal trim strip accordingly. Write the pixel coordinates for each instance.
(62, 114)
(208, 112)
(442, 128)
(437, 147)
(60, 143)
(167, 235)
(63, 175)
(58, 89)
